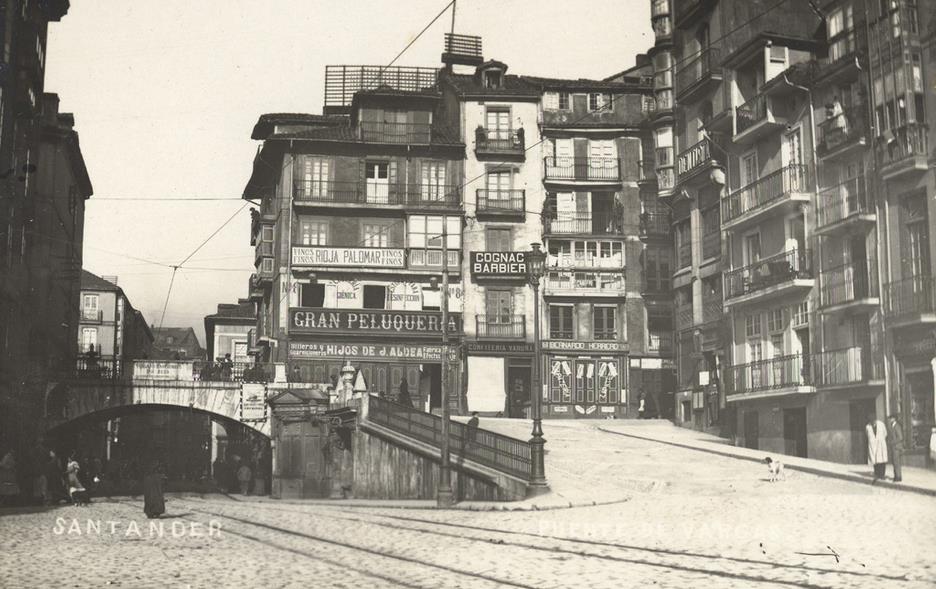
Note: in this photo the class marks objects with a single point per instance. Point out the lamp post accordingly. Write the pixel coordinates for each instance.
(536, 268)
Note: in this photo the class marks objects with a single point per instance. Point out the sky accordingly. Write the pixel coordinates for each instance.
(166, 92)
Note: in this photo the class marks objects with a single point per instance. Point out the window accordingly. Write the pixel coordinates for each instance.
(599, 101)
(425, 239)
(498, 123)
(314, 180)
(499, 239)
(752, 325)
(556, 101)
(657, 270)
(775, 320)
(313, 232)
(498, 184)
(800, 315)
(88, 338)
(433, 181)
(492, 78)
(90, 307)
(312, 295)
(604, 322)
(375, 296)
(841, 24)
(564, 101)
(560, 322)
(376, 234)
(498, 305)
(377, 177)
(915, 237)
(683, 244)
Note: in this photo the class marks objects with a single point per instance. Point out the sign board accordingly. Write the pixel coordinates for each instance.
(369, 257)
(365, 322)
(577, 346)
(253, 402)
(498, 264)
(498, 348)
(162, 370)
(299, 349)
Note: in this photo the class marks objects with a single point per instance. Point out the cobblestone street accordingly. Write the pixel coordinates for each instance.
(708, 521)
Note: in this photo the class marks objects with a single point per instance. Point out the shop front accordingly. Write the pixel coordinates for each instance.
(915, 354)
(397, 354)
(499, 378)
(585, 379)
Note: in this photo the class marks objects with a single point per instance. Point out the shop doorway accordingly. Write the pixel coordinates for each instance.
(750, 429)
(794, 432)
(431, 379)
(858, 412)
(518, 391)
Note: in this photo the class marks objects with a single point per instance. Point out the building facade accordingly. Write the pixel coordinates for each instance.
(176, 343)
(801, 225)
(109, 323)
(228, 331)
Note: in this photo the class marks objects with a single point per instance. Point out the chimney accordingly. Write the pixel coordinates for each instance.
(111, 279)
(50, 106)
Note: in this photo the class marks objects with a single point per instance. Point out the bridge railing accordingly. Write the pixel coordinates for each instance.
(95, 368)
(485, 447)
(232, 372)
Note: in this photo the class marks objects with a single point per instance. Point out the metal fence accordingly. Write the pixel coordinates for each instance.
(501, 453)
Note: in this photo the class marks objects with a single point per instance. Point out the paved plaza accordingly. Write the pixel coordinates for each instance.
(678, 518)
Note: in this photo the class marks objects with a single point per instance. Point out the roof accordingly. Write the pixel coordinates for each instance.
(583, 84)
(91, 281)
(515, 86)
(179, 334)
(268, 122)
(235, 311)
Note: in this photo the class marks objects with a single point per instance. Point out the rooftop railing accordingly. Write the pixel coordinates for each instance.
(343, 81)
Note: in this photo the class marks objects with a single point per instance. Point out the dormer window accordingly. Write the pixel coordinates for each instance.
(493, 79)
(490, 74)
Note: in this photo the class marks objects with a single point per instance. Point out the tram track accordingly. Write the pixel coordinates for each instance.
(579, 548)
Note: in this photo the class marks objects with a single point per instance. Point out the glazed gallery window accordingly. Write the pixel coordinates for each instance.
(376, 234)
(498, 123)
(433, 182)
(313, 232)
(424, 237)
(560, 321)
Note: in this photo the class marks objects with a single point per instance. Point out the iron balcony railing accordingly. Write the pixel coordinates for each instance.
(343, 81)
(763, 191)
(584, 224)
(856, 364)
(331, 191)
(500, 326)
(92, 315)
(574, 282)
(704, 64)
(694, 158)
(907, 141)
(561, 333)
(847, 283)
(500, 201)
(500, 141)
(591, 169)
(499, 452)
(659, 342)
(751, 112)
(838, 130)
(766, 375)
(377, 193)
(840, 202)
(386, 132)
(768, 272)
(910, 296)
(655, 224)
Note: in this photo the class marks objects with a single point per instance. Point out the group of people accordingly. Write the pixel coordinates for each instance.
(51, 484)
(239, 476)
(221, 369)
(885, 442)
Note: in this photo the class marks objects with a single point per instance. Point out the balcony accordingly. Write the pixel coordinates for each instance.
(845, 49)
(583, 169)
(431, 259)
(396, 133)
(903, 151)
(785, 274)
(684, 319)
(255, 291)
(696, 160)
(849, 367)
(757, 117)
(775, 193)
(851, 288)
(784, 375)
(655, 225)
(910, 301)
(500, 203)
(500, 144)
(575, 283)
(583, 260)
(583, 225)
(699, 74)
(263, 249)
(500, 326)
(660, 342)
(844, 207)
(325, 193)
(840, 136)
(92, 316)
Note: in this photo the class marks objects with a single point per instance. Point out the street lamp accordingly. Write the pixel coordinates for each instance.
(536, 268)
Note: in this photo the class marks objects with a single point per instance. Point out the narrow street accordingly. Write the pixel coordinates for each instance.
(707, 521)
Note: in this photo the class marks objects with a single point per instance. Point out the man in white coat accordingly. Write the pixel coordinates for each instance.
(877, 445)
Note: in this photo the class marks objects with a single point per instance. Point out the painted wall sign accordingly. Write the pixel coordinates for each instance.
(497, 348)
(332, 321)
(498, 264)
(253, 402)
(348, 256)
(577, 346)
(368, 351)
(156, 370)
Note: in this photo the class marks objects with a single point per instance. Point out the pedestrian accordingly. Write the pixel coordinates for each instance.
(296, 374)
(877, 446)
(472, 428)
(52, 469)
(404, 397)
(641, 405)
(244, 475)
(895, 445)
(154, 502)
(9, 487)
(76, 490)
(227, 367)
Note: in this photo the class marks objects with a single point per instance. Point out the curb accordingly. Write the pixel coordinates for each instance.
(807, 469)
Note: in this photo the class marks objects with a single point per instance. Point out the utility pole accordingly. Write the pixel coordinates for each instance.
(444, 497)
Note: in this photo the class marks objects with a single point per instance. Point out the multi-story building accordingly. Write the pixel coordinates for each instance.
(358, 208)
(107, 321)
(817, 257)
(176, 343)
(228, 331)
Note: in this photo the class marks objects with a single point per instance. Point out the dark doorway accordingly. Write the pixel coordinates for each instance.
(794, 432)
(433, 374)
(858, 411)
(750, 429)
(518, 391)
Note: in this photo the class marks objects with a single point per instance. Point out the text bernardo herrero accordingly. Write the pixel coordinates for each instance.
(154, 529)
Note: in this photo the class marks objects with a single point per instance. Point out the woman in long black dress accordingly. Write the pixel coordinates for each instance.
(154, 504)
